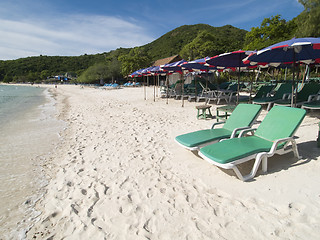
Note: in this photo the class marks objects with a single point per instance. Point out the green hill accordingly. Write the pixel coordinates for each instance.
(173, 42)
(220, 39)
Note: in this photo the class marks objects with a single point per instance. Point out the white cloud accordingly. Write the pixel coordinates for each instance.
(68, 35)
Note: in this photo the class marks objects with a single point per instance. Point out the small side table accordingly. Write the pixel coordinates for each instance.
(204, 111)
(227, 112)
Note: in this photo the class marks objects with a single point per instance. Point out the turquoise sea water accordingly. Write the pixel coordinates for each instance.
(29, 132)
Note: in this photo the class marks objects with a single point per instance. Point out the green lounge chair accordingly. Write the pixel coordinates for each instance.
(307, 90)
(313, 103)
(241, 118)
(283, 89)
(262, 92)
(273, 136)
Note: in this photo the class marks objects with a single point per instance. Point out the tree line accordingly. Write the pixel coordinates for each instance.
(190, 42)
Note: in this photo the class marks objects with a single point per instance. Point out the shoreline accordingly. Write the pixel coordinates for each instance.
(37, 127)
(119, 175)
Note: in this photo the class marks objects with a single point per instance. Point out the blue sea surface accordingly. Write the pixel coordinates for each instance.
(17, 100)
(29, 131)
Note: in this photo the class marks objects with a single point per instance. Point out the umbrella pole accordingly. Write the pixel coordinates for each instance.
(285, 74)
(158, 85)
(154, 88)
(207, 79)
(167, 82)
(293, 81)
(252, 78)
(182, 78)
(195, 88)
(238, 90)
(144, 87)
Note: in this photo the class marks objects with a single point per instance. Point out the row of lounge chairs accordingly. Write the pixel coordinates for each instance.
(268, 94)
(131, 84)
(230, 145)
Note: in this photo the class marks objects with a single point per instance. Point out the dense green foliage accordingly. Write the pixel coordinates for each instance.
(136, 59)
(308, 21)
(36, 68)
(271, 31)
(190, 41)
(229, 37)
(206, 39)
(209, 44)
(275, 29)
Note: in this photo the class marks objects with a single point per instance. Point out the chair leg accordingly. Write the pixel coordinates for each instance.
(260, 157)
(269, 106)
(265, 164)
(238, 173)
(295, 149)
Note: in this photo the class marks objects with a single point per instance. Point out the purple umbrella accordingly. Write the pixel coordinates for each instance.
(231, 60)
(175, 67)
(303, 50)
(136, 73)
(156, 71)
(199, 64)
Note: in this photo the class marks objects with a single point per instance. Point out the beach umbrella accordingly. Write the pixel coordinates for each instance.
(136, 73)
(293, 51)
(155, 71)
(231, 60)
(176, 67)
(173, 67)
(145, 72)
(200, 65)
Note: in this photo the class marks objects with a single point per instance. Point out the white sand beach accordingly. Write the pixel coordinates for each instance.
(118, 174)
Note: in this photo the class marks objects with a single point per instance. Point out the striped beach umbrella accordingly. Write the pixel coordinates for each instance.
(293, 51)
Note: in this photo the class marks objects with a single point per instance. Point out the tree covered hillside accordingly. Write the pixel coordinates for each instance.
(177, 41)
(189, 41)
(173, 42)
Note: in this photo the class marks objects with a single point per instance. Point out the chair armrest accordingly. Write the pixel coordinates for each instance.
(234, 132)
(313, 97)
(245, 131)
(216, 123)
(276, 143)
(286, 95)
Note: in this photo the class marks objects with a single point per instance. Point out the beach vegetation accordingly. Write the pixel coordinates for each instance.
(309, 20)
(225, 38)
(205, 44)
(272, 30)
(189, 41)
(136, 59)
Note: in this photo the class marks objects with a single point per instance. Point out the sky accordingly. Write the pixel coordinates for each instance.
(77, 27)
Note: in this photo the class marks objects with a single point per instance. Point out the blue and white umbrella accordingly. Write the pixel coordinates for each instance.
(293, 51)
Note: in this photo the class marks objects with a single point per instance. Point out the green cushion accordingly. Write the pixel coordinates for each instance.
(283, 101)
(284, 88)
(265, 100)
(242, 116)
(235, 148)
(280, 122)
(303, 95)
(313, 104)
(307, 90)
(263, 91)
(194, 139)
